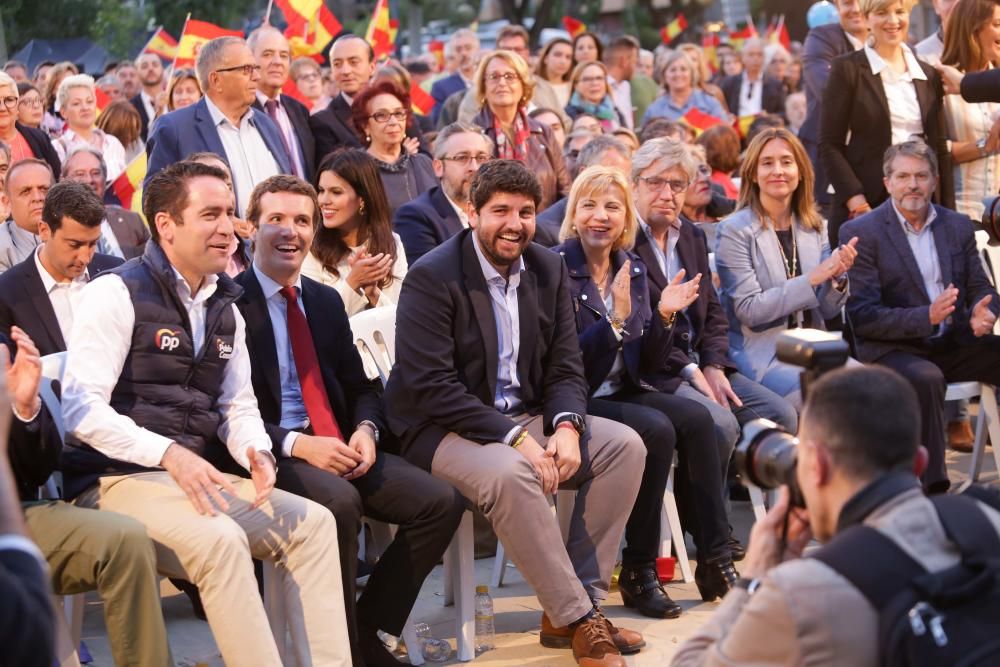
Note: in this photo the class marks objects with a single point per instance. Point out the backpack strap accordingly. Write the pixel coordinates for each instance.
(967, 526)
(872, 562)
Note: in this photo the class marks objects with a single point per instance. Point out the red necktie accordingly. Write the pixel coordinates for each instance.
(307, 366)
(271, 106)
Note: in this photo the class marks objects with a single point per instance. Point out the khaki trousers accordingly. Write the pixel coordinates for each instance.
(214, 553)
(87, 550)
(567, 578)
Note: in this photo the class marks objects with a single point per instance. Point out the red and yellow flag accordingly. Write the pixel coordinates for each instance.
(128, 186)
(101, 99)
(293, 91)
(777, 33)
(700, 121)
(380, 32)
(420, 101)
(742, 125)
(574, 26)
(709, 46)
(672, 30)
(311, 26)
(436, 47)
(196, 33)
(162, 44)
(738, 37)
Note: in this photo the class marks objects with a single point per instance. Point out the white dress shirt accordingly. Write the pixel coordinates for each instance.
(100, 343)
(751, 95)
(64, 296)
(249, 158)
(107, 144)
(900, 93)
(108, 244)
(621, 95)
(288, 132)
(294, 415)
(463, 217)
(147, 103)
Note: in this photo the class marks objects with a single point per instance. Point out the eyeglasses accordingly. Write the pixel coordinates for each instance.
(10, 102)
(247, 70)
(383, 116)
(28, 102)
(464, 159)
(656, 184)
(509, 77)
(93, 174)
(309, 76)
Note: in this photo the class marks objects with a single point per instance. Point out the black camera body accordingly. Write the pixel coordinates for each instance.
(766, 455)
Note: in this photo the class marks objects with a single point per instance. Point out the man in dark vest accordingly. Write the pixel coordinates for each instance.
(157, 384)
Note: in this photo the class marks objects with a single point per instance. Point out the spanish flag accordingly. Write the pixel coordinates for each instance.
(293, 91)
(420, 100)
(162, 44)
(742, 125)
(777, 33)
(195, 34)
(102, 100)
(436, 47)
(311, 26)
(700, 121)
(673, 29)
(738, 37)
(709, 46)
(573, 26)
(380, 33)
(128, 186)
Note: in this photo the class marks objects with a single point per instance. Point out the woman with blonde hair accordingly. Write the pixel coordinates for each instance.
(624, 334)
(972, 44)
(503, 89)
(184, 90)
(683, 92)
(774, 262)
(697, 56)
(592, 95)
(878, 96)
(77, 103)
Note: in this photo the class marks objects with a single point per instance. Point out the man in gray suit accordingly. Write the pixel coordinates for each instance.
(28, 181)
(123, 232)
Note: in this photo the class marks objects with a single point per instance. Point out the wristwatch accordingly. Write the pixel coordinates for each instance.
(578, 422)
(749, 585)
(370, 424)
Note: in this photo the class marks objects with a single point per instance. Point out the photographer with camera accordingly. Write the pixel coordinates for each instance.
(857, 457)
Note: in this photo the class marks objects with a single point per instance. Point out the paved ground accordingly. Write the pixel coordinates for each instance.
(518, 613)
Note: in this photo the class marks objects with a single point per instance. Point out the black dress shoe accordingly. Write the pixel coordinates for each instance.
(736, 549)
(715, 579)
(641, 590)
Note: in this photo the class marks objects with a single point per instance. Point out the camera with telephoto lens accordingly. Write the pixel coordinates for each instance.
(991, 219)
(766, 455)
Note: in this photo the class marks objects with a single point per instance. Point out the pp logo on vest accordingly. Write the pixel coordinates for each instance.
(167, 340)
(224, 348)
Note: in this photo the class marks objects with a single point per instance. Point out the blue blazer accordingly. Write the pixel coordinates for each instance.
(646, 343)
(425, 223)
(191, 130)
(889, 306)
(756, 293)
(444, 88)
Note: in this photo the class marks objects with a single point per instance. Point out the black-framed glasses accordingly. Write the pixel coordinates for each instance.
(656, 184)
(383, 116)
(10, 101)
(465, 158)
(247, 70)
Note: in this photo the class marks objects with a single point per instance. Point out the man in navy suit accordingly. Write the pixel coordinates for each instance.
(463, 47)
(441, 212)
(39, 294)
(274, 56)
(146, 102)
(753, 92)
(223, 122)
(823, 44)
(341, 462)
(920, 301)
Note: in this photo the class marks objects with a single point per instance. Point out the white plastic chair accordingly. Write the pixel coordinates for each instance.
(375, 337)
(563, 509)
(988, 421)
(671, 533)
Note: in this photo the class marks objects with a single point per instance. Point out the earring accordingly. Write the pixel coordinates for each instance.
(361, 207)
(368, 138)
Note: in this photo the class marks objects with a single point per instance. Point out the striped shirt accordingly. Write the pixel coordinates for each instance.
(978, 178)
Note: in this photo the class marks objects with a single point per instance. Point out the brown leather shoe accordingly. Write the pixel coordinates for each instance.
(626, 641)
(960, 436)
(593, 646)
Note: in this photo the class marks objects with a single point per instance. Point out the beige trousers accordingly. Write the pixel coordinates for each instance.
(214, 553)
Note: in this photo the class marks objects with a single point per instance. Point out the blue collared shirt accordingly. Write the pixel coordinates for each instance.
(924, 251)
(664, 107)
(503, 294)
(293, 408)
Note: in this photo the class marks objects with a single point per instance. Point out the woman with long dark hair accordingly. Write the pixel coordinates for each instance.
(355, 251)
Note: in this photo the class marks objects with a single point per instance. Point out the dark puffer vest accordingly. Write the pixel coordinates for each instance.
(163, 387)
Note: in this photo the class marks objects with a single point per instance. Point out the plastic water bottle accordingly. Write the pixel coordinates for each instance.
(432, 648)
(485, 630)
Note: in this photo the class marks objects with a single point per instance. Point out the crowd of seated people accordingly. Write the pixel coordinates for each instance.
(587, 294)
